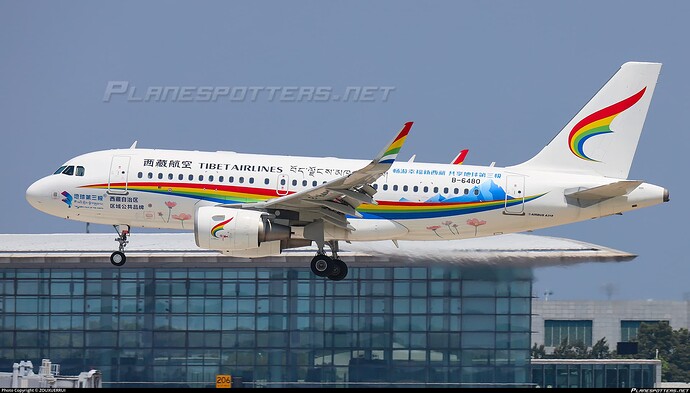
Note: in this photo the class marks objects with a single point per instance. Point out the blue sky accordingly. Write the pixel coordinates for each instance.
(498, 77)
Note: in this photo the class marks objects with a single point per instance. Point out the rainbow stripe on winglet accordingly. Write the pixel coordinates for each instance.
(390, 153)
(598, 123)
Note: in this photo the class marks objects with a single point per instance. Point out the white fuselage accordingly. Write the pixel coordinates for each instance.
(416, 201)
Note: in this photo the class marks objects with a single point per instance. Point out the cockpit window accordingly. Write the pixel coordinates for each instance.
(59, 170)
(69, 171)
(80, 171)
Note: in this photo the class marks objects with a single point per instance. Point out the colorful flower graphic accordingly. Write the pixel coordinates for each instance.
(448, 223)
(475, 222)
(170, 205)
(434, 228)
(182, 217)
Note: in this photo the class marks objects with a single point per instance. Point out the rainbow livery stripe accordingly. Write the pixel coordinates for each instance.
(389, 156)
(598, 123)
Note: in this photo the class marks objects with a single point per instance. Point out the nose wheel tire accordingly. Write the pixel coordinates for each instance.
(321, 265)
(118, 258)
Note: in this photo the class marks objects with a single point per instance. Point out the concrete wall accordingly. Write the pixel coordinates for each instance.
(606, 316)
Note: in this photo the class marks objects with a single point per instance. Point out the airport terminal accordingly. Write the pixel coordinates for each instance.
(426, 314)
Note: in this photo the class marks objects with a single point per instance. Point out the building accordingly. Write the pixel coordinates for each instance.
(23, 376)
(590, 321)
(441, 314)
(596, 373)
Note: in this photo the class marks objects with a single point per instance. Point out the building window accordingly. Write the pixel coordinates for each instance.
(555, 331)
(629, 329)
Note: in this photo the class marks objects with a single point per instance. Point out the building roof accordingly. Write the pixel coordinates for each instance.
(511, 250)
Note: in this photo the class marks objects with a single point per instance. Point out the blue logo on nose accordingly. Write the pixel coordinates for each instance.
(67, 199)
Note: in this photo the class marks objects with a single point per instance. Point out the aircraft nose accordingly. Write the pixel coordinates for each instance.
(37, 195)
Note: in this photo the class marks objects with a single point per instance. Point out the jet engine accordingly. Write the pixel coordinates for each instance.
(228, 229)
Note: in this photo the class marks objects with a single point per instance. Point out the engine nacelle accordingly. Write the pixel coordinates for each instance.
(221, 228)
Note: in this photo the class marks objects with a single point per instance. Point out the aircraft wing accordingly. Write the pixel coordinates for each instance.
(338, 198)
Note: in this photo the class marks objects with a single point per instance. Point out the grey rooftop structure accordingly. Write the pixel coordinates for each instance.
(511, 250)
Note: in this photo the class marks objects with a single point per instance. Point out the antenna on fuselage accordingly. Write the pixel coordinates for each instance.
(134, 145)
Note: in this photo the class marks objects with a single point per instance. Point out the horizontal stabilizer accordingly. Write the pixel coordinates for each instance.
(591, 196)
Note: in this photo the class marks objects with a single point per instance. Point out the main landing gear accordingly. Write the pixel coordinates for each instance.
(324, 266)
(118, 258)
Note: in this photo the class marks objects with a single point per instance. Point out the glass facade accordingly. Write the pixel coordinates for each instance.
(594, 375)
(272, 326)
(555, 331)
(629, 329)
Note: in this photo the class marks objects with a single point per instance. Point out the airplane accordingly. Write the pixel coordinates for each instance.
(253, 205)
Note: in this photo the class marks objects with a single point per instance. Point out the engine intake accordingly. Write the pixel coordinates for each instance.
(221, 228)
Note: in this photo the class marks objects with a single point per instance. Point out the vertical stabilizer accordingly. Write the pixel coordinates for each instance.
(602, 138)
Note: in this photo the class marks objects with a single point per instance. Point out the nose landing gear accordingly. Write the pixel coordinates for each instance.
(118, 258)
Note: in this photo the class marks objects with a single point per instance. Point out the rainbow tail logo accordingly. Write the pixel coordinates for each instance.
(67, 198)
(219, 227)
(618, 110)
(598, 123)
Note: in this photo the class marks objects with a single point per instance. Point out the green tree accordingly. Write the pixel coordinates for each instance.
(673, 349)
(538, 352)
(600, 350)
(576, 350)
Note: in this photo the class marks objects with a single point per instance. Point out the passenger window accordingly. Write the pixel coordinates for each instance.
(80, 171)
(180, 177)
(476, 191)
(251, 180)
(140, 175)
(282, 182)
(415, 188)
(170, 176)
(294, 182)
(231, 179)
(385, 187)
(210, 178)
(266, 181)
(445, 190)
(150, 175)
(426, 189)
(376, 186)
(466, 191)
(314, 183)
(220, 179)
(160, 175)
(69, 171)
(304, 183)
(191, 177)
(405, 188)
(201, 177)
(456, 191)
(435, 189)
(241, 179)
(59, 170)
(395, 187)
